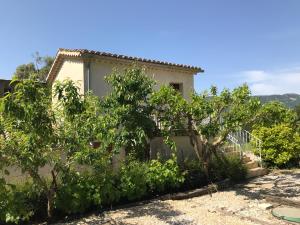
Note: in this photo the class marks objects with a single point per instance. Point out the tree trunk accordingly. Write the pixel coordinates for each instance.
(49, 191)
(50, 197)
(206, 160)
(194, 140)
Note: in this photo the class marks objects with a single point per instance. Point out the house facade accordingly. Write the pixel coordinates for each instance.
(88, 69)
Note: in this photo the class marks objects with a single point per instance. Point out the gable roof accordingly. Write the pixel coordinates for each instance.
(77, 53)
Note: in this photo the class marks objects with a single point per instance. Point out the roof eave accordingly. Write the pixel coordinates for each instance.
(78, 53)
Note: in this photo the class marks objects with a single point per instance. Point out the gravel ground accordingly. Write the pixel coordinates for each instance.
(241, 205)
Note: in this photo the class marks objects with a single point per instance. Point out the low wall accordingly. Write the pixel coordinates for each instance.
(16, 176)
(184, 151)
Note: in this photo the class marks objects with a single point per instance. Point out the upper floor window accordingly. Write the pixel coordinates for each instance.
(177, 86)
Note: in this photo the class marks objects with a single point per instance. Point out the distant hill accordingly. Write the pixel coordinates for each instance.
(290, 100)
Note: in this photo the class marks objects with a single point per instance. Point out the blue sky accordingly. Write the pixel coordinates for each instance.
(234, 41)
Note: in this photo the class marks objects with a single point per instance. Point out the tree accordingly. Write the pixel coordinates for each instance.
(127, 112)
(276, 125)
(280, 145)
(207, 118)
(28, 132)
(23, 71)
(40, 66)
(32, 135)
(274, 113)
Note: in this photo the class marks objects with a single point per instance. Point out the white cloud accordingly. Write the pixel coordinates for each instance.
(272, 82)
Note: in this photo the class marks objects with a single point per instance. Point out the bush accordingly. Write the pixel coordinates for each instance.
(133, 180)
(236, 170)
(77, 193)
(164, 176)
(280, 145)
(139, 179)
(21, 202)
(80, 192)
(194, 174)
(232, 168)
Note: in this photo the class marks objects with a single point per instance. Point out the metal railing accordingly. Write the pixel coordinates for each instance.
(235, 144)
(247, 142)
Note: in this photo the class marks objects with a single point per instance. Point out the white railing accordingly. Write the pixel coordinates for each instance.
(235, 144)
(247, 142)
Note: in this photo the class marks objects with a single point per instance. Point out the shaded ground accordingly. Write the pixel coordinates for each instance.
(241, 205)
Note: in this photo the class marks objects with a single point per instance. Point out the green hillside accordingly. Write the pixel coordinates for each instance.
(290, 100)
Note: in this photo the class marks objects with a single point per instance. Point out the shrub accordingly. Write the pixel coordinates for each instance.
(133, 180)
(232, 168)
(280, 145)
(236, 170)
(164, 176)
(21, 202)
(109, 190)
(77, 193)
(139, 179)
(194, 174)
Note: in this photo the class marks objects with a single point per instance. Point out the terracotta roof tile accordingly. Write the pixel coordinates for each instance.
(85, 52)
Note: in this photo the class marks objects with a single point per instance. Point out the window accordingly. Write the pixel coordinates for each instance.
(6, 91)
(177, 86)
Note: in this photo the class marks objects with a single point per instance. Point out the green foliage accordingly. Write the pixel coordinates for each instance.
(41, 67)
(231, 168)
(297, 110)
(28, 123)
(139, 179)
(77, 193)
(274, 113)
(71, 109)
(20, 202)
(224, 112)
(164, 176)
(127, 111)
(207, 118)
(24, 71)
(133, 180)
(280, 145)
(33, 135)
(34, 132)
(194, 174)
(236, 170)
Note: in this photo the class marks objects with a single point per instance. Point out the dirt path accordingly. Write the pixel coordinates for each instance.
(241, 205)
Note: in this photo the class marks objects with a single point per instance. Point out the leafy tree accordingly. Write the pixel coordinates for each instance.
(280, 144)
(276, 126)
(274, 113)
(24, 71)
(207, 118)
(41, 66)
(28, 132)
(33, 136)
(45, 66)
(127, 112)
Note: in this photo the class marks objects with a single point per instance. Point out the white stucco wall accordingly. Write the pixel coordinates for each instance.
(165, 77)
(184, 149)
(98, 70)
(72, 69)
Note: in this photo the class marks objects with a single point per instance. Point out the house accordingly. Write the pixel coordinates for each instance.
(88, 69)
(4, 87)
